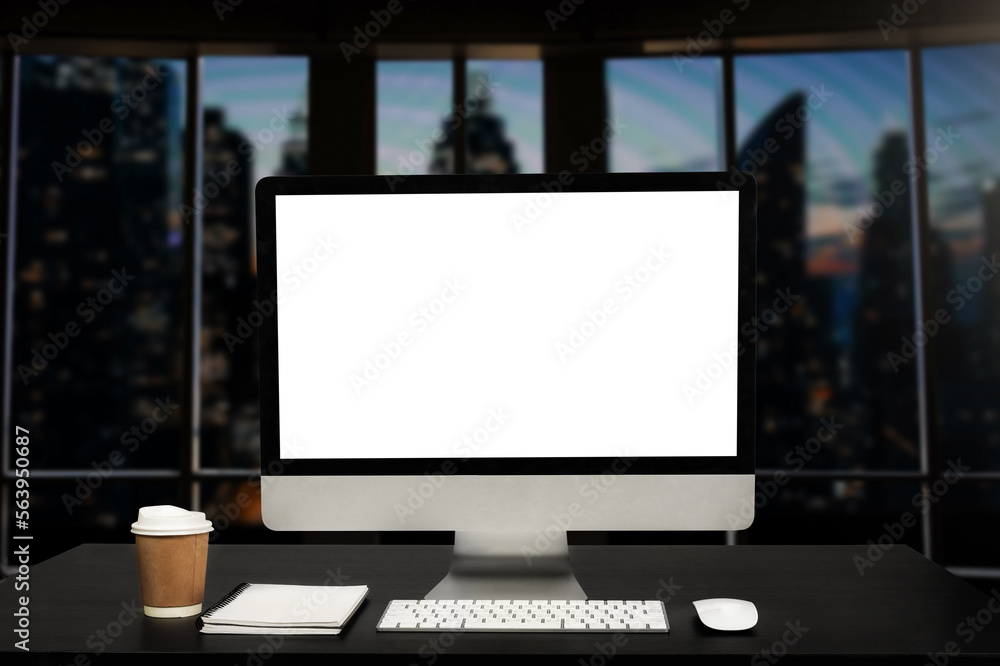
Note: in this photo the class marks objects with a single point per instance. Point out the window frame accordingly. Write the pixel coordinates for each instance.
(191, 475)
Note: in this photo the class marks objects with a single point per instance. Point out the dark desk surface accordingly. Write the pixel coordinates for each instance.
(903, 605)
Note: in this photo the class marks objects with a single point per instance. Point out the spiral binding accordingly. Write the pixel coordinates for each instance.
(225, 601)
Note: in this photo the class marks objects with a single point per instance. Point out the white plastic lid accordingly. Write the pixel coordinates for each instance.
(166, 520)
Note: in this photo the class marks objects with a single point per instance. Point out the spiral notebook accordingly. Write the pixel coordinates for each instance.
(260, 608)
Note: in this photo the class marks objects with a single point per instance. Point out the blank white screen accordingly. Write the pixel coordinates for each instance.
(521, 290)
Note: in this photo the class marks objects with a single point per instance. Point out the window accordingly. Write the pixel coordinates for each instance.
(98, 262)
(412, 118)
(255, 120)
(962, 159)
(99, 267)
(673, 114)
(826, 135)
(254, 126)
(503, 103)
(98, 272)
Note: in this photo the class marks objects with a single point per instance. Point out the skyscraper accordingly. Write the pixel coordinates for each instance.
(96, 297)
(885, 393)
(487, 147)
(781, 338)
(228, 372)
(230, 429)
(94, 192)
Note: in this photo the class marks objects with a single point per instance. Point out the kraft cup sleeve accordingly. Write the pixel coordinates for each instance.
(172, 569)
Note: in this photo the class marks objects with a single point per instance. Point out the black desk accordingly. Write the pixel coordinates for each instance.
(904, 605)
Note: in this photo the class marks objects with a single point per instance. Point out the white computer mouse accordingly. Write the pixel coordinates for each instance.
(726, 614)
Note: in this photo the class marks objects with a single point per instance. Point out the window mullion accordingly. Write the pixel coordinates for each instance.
(191, 352)
(930, 453)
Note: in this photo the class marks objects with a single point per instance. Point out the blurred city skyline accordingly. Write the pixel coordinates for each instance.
(250, 90)
(415, 105)
(827, 356)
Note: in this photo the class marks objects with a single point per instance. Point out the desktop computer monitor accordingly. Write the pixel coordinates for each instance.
(509, 357)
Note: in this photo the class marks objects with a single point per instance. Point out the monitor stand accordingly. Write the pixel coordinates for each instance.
(508, 565)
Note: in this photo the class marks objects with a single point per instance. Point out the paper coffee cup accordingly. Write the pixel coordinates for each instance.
(171, 544)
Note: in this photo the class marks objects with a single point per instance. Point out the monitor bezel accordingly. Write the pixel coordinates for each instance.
(268, 189)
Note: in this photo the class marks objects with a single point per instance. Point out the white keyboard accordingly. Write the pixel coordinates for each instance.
(521, 615)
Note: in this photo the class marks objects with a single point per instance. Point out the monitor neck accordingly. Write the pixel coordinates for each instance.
(509, 565)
